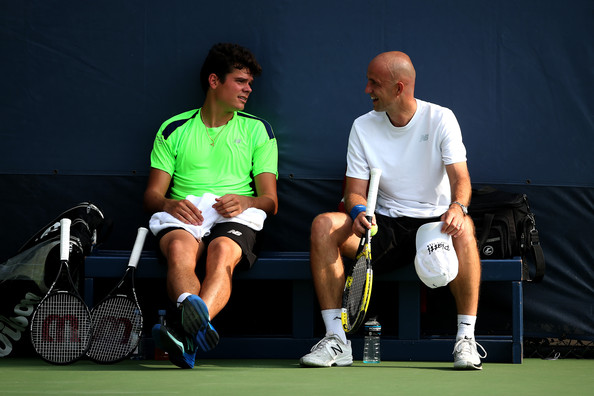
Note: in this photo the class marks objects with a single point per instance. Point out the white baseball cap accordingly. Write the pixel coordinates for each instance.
(436, 262)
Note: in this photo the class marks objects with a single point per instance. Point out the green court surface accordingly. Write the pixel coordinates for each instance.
(32, 376)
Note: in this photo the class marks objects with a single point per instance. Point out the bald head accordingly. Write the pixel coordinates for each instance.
(391, 86)
(398, 65)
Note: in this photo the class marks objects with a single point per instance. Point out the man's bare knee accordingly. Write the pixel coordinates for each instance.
(321, 226)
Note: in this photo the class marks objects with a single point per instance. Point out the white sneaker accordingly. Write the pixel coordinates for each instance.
(466, 355)
(330, 351)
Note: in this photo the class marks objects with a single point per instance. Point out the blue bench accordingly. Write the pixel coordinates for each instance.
(294, 266)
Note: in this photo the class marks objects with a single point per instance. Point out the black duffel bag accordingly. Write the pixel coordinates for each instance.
(506, 228)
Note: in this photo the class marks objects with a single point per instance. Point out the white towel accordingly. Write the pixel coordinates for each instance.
(251, 217)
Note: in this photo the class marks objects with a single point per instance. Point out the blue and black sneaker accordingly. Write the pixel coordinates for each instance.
(196, 321)
(181, 348)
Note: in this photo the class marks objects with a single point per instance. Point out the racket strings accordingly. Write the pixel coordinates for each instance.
(117, 325)
(356, 290)
(60, 331)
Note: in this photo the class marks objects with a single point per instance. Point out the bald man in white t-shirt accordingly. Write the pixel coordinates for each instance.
(418, 145)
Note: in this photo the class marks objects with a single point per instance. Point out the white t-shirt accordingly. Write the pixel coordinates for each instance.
(414, 182)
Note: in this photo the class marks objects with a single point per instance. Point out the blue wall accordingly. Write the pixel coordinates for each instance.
(85, 86)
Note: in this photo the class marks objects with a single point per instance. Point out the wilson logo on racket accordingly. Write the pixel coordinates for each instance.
(60, 328)
(110, 325)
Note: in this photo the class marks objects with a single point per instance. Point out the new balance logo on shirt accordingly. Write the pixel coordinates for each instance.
(234, 232)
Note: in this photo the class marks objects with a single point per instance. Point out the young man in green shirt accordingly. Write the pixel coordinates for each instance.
(221, 152)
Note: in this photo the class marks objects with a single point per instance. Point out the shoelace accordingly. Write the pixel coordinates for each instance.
(321, 344)
(469, 345)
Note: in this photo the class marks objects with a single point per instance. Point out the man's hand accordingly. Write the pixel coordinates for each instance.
(361, 225)
(454, 221)
(231, 205)
(185, 211)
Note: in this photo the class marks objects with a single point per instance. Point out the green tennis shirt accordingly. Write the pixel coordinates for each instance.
(220, 160)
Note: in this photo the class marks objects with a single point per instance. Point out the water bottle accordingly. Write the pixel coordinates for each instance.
(162, 314)
(371, 342)
(159, 353)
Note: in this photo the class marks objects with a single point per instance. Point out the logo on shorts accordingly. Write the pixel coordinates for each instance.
(234, 232)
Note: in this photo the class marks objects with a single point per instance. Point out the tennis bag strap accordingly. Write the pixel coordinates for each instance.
(531, 250)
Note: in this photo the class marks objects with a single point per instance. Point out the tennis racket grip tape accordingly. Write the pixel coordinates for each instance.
(372, 192)
(65, 239)
(138, 246)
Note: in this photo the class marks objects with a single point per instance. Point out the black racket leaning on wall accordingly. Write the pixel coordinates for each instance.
(61, 324)
(117, 319)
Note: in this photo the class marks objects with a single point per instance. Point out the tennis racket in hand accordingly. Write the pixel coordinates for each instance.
(117, 319)
(357, 289)
(61, 324)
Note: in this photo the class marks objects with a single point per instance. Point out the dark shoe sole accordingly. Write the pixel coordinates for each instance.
(169, 343)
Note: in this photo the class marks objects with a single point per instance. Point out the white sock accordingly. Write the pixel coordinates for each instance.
(333, 323)
(466, 326)
(182, 297)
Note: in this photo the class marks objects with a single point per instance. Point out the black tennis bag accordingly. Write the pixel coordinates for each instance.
(506, 228)
(26, 277)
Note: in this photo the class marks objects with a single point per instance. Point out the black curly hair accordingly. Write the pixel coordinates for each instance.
(223, 58)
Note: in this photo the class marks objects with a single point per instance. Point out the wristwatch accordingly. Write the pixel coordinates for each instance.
(464, 208)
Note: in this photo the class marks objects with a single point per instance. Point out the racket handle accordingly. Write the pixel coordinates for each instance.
(138, 246)
(65, 239)
(372, 192)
